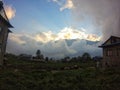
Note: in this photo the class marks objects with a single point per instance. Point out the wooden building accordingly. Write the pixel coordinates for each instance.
(4, 31)
(111, 52)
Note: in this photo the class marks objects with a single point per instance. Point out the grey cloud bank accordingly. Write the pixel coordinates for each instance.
(56, 49)
(105, 15)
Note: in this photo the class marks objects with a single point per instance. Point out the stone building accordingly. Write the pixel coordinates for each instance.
(4, 31)
(111, 52)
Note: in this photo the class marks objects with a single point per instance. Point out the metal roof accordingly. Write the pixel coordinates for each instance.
(112, 44)
(6, 22)
(109, 45)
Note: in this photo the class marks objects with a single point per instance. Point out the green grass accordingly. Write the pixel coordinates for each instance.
(29, 75)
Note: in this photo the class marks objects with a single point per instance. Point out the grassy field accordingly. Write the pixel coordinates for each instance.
(31, 75)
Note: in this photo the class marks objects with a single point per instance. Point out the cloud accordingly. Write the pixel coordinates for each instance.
(93, 37)
(57, 49)
(65, 33)
(105, 15)
(68, 42)
(10, 11)
(73, 33)
(58, 2)
(25, 44)
(17, 38)
(68, 4)
(81, 46)
(22, 43)
(45, 36)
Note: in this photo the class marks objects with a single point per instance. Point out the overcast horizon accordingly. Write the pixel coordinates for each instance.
(48, 24)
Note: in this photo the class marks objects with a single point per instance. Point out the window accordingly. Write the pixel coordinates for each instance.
(109, 52)
(118, 51)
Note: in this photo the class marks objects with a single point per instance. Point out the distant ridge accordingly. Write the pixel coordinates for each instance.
(71, 41)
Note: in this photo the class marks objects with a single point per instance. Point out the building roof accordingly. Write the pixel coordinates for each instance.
(112, 41)
(6, 22)
(9, 31)
(3, 16)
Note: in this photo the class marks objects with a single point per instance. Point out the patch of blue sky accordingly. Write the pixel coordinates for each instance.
(42, 12)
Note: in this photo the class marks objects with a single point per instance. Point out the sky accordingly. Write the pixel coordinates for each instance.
(47, 24)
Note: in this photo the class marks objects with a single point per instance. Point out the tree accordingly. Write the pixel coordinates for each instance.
(41, 56)
(86, 56)
(46, 59)
(38, 53)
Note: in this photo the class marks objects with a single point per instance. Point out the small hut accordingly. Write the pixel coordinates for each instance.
(111, 51)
